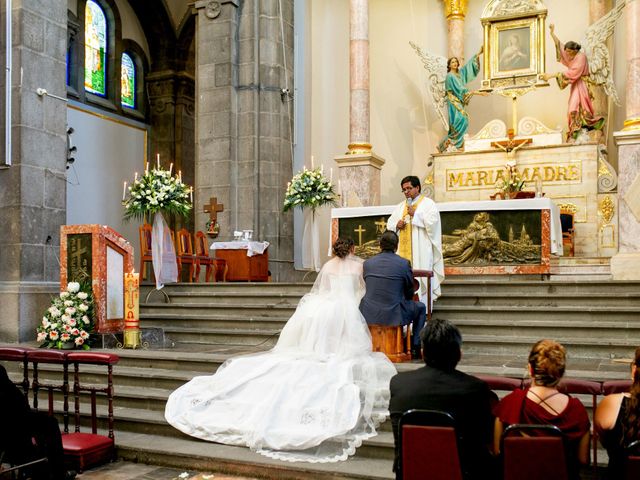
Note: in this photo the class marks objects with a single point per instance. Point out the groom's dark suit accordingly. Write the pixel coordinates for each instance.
(389, 294)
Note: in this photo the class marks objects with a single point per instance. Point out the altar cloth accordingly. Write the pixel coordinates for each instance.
(252, 248)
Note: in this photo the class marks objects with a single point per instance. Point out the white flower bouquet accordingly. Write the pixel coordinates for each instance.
(309, 188)
(157, 190)
(69, 319)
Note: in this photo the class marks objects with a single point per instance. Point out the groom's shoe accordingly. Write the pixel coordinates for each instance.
(416, 353)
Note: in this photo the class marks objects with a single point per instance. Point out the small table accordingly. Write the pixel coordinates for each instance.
(247, 261)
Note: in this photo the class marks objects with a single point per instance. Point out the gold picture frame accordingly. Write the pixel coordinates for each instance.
(514, 44)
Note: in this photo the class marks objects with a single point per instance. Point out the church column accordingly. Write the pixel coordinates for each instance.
(359, 169)
(33, 188)
(161, 92)
(626, 264)
(455, 11)
(597, 10)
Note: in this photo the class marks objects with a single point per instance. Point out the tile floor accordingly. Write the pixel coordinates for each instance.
(137, 471)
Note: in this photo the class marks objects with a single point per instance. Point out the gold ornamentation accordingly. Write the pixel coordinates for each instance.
(493, 129)
(455, 9)
(606, 209)
(631, 124)
(568, 207)
(359, 148)
(429, 179)
(505, 8)
(602, 168)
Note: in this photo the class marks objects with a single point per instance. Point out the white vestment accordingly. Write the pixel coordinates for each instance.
(314, 397)
(426, 243)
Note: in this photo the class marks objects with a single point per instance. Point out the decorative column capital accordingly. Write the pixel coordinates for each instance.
(212, 9)
(455, 9)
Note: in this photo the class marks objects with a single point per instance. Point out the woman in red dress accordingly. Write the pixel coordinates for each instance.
(542, 403)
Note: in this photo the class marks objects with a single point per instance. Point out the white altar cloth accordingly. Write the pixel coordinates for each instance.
(253, 248)
(519, 204)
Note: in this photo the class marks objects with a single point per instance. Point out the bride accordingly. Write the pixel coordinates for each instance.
(315, 396)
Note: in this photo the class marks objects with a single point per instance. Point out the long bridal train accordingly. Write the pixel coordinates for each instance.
(315, 397)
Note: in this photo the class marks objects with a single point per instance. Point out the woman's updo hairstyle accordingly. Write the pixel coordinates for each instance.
(342, 247)
(547, 360)
(571, 45)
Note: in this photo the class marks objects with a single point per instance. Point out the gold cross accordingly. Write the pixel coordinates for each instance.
(359, 231)
(213, 208)
(130, 294)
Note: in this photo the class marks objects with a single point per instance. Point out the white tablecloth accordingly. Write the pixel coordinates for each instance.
(520, 204)
(253, 248)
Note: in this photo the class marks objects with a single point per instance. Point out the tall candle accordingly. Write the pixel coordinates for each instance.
(124, 189)
(331, 174)
(191, 194)
(170, 168)
(312, 167)
(132, 299)
(135, 177)
(158, 159)
(146, 167)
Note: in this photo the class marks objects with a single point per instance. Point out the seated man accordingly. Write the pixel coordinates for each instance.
(439, 386)
(389, 294)
(21, 426)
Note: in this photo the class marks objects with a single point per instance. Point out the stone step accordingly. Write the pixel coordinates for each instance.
(229, 309)
(223, 336)
(514, 284)
(235, 298)
(585, 330)
(224, 287)
(177, 318)
(195, 454)
(509, 313)
(574, 300)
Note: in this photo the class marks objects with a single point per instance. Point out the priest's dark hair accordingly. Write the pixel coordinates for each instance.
(441, 344)
(389, 241)
(342, 247)
(415, 181)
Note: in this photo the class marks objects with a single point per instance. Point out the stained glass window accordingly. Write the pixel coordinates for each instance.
(128, 82)
(95, 50)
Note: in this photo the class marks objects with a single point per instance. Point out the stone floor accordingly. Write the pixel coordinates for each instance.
(137, 471)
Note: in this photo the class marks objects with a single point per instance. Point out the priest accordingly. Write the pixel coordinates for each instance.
(417, 223)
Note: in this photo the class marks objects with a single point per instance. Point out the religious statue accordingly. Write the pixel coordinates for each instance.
(447, 85)
(584, 70)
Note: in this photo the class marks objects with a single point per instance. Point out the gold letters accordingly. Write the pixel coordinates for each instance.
(487, 178)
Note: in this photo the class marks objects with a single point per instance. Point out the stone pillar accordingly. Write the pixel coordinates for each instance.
(597, 10)
(243, 122)
(359, 169)
(626, 264)
(632, 12)
(455, 11)
(359, 141)
(33, 189)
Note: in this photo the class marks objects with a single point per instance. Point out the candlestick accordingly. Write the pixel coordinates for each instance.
(124, 189)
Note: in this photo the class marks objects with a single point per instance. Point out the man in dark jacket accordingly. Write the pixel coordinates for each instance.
(389, 295)
(439, 386)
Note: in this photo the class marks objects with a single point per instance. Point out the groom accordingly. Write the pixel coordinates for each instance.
(389, 292)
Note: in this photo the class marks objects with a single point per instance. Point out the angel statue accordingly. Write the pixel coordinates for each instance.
(584, 70)
(449, 88)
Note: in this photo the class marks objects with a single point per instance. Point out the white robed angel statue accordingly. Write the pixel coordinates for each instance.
(593, 67)
(447, 87)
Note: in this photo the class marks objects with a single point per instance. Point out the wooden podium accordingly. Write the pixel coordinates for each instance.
(244, 268)
(104, 255)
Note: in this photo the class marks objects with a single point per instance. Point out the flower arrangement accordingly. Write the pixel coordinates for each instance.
(309, 188)
(157, 190)
(68, 319)
(513, 181)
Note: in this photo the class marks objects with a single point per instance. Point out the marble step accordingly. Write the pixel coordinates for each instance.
(255, 288)
(537, 298)
(176, 317)
(229, 309)
(247, 297)
(508, 285)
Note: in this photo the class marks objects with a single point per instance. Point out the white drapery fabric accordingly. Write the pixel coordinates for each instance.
(163, 253)
(311, 241)
(314, 398)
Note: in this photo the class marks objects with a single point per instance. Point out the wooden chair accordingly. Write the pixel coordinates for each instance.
(632, 465)
(427, 447)
(532, 452)
(83, 450)
(389, 340)
(203, 258)
(220, 269)
(18, 354)
(568, 229)
(145, 248)
(184, 253)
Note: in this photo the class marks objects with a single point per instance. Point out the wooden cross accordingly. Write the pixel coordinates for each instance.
(213, 208)
(360, 231)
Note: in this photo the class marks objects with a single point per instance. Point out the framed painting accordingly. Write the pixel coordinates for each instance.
(514, 40)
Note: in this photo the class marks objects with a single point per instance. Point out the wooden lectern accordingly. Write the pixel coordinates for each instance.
(105, 256)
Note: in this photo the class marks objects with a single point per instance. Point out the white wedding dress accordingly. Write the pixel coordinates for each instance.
(314, 397)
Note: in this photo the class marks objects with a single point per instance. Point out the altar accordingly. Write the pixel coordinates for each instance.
(247, 261)
(480, 237)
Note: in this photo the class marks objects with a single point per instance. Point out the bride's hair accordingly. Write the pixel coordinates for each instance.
(342, 247)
